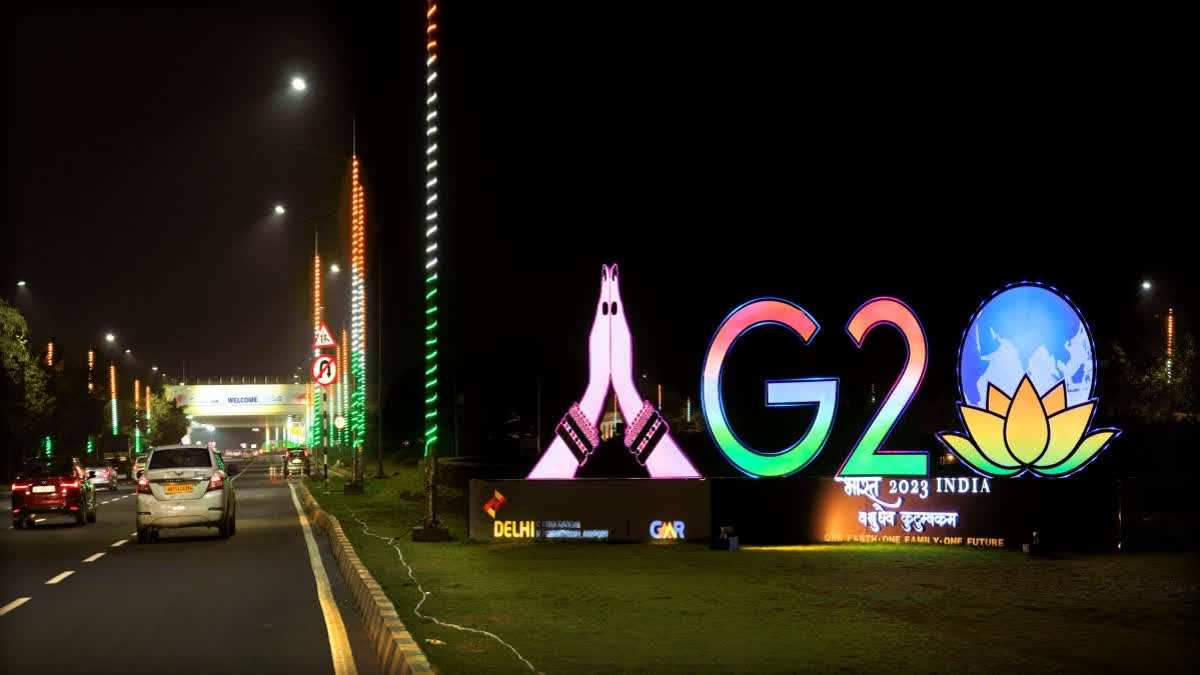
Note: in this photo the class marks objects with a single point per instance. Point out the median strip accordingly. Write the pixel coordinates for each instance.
(60, 577)
(13, 605)
(93, 558)
(398, 652)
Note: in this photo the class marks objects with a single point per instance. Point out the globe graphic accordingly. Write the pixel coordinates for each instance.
(1026, 330)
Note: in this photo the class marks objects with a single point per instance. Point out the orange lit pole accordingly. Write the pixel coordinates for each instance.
(1170, 340)
(112, 388)
(137, 425)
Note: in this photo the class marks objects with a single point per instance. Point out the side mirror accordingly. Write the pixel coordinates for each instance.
(140, 472)
(91, 474)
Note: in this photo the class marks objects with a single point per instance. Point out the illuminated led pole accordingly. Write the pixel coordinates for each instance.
(431, 231)
(50, 354)
(112, 388)
(137, 425)
(1170, 340)
(358, 309)
(314, 432)
(91, 370)
(345, 385)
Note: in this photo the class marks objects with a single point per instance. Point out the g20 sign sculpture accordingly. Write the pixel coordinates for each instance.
(1026, 382)
(1026, 370)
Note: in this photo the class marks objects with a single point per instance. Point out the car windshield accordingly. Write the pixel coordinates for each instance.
(180, 457)
(47, 468)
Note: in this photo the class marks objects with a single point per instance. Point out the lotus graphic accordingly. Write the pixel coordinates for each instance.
(1029, 340)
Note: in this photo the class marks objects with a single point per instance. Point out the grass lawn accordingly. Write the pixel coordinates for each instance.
(594, 607)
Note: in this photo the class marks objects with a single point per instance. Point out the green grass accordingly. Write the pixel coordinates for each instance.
(593, 607)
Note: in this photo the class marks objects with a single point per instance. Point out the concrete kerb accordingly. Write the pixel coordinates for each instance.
(395, 647)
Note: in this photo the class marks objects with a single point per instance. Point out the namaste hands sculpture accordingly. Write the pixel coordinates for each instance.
(610, 362)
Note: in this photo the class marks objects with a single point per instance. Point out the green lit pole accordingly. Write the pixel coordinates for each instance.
(430, 424)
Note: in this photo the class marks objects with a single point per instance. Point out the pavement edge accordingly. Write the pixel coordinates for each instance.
(395, 647)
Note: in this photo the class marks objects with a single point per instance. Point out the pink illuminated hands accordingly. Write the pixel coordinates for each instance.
(560, 460)
(655, 448)
(610, 360)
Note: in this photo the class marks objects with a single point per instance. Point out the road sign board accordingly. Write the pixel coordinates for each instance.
(339, 422)
(324, 338)
(324, 370)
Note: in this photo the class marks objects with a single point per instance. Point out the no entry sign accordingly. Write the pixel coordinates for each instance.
(324, 370)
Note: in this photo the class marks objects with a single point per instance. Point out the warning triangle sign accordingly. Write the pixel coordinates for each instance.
(324, 338)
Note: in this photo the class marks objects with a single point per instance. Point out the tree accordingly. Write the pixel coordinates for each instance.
(1142, 385)
(168, 424)
(26, 403)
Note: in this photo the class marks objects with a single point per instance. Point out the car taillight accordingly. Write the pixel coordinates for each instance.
(215, 482)
(68, 483)
(17, 487)
(143, 486)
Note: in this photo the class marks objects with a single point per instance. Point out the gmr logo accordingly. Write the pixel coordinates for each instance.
(666, 529)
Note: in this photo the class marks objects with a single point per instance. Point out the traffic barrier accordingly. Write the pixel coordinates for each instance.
(395, 647)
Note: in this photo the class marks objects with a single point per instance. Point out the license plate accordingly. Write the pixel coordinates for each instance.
(43, 488)
(178, 488)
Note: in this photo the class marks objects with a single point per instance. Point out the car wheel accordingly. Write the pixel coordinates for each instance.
(153, 535)
(223, 530)
(143, 535)
(232, 525)
(91, 516)
(113, 487)
(80, 517)
(18, 523)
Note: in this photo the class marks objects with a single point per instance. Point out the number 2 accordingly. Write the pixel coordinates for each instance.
(866, 459)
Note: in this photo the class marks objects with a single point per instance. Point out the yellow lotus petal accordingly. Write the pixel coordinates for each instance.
(1066, 429)
(987, 431)
(1086, 452)
(1056, 399)
(1026, 429)
(997, 401)
(971, 456)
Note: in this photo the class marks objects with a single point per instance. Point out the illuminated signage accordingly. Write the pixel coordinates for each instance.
(1027, 370)
(1026, 377)
(610, 366)
(865, 458)
(493, 505)
(667, 529)
(514, 529)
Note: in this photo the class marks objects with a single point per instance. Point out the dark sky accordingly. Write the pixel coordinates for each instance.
(718, 152)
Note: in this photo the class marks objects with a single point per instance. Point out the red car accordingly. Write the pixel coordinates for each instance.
(54, 485)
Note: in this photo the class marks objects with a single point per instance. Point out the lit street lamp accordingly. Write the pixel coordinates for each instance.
(298, 84)
(21, 283)
(279, 210)
(110, 337)
(1146, 285)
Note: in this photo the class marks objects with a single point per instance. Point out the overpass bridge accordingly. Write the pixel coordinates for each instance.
(243, 406)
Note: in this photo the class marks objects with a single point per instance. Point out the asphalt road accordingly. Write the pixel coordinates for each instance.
(188, 603)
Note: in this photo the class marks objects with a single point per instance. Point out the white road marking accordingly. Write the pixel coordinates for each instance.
(93, 558)
(133, 534)
(119, 542)
(13, 605)
(39, 520)
(60, 577)
(339, 644)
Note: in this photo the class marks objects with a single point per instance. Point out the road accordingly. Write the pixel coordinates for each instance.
(189, 602)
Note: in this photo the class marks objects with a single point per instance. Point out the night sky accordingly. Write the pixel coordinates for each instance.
(717, 154)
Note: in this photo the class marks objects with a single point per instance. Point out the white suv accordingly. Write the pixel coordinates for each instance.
(184, 486)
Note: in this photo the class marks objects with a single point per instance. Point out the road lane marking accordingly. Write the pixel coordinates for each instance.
(93, 558)
(119, 542)
(339, 644)
(60, 577)
(13, 605)
(39, 520)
